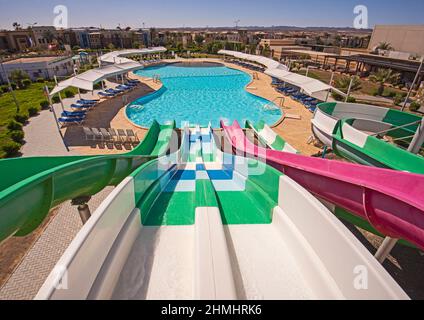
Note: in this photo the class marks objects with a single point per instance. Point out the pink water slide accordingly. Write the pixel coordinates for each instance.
(392, 201)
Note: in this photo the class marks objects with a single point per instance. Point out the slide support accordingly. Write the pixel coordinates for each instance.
(418, 139)
(83, 208)
(385, 249)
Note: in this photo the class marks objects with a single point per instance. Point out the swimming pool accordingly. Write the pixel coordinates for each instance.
(200, 94)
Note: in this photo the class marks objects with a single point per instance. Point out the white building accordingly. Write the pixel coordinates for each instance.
(39, 67)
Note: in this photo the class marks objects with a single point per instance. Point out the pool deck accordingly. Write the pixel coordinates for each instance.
(24, 281)
(111, 114)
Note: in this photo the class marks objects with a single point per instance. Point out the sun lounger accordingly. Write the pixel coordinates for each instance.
(98, 135)
(124, 87)
(122, 135)
(106, 135)
(72, 120)
(80, 107)
(89, 135)
(90, 100)
(132, 135)
(86, 103)
(106, 95)
(78, 114)
(114, 91)
(114, 135)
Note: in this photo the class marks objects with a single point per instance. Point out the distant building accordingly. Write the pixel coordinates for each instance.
(96, 40)
(403, 38)
(36, 67)
(44, 36)
(277, 42)
(82, 38)
(16, 40)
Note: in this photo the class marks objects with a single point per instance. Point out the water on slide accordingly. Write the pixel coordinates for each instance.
(161, 262)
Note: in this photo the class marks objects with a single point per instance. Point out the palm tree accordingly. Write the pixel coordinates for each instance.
(383, 76)
(385, 46)
(343, 84)
(16, 25)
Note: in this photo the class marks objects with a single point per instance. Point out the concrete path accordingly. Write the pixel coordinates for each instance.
(43, 138)
(34, 268)
(42, 135)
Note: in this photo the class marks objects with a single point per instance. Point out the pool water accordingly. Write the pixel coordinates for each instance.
(199, 95)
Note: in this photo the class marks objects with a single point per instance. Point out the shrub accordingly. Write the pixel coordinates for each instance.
(26, 83)
(56, 99)
(69, 94)
(32, 111)
(414, 106)
(398, 99)
(11, 148)
(374, 92)
(21, 118)
(14, 125)
(13, 85)
(337, 97)
(4, 88)
(389, 93)
(351, 100)
(44, 105)
(17, 136)
(40, 80)
(97, 86)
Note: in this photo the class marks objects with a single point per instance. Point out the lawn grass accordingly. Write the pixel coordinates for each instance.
(32, 96)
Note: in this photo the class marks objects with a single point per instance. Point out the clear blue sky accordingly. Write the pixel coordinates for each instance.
(201, 13)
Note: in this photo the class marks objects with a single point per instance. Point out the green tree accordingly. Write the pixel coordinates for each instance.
(344, 82)
(385, 46)
(266, 51)
(383, 76)
(16, 25)
(18, 76)
(199, 39)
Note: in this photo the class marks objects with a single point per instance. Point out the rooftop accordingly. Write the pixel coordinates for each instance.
(34, 60)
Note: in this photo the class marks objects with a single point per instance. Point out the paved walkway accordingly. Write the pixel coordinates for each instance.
(33, 270)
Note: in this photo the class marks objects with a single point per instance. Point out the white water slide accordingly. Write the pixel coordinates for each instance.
(148, 241)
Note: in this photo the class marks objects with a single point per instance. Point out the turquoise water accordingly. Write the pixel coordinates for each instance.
(199, 95)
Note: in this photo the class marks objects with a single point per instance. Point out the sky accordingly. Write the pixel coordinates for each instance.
(212, 13)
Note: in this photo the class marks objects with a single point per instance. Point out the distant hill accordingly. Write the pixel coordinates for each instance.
(275, 29)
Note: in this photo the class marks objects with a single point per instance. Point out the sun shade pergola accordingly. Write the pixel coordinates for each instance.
(309, 85)
(118, 56)
(277, 70)
(88, 79)
(267, 62)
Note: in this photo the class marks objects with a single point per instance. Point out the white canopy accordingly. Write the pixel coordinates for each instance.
(309, 85)
(277, 70)
(117, 56)
(88, 79)
(267, 62)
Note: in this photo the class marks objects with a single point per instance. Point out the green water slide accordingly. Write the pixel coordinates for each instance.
(244, 190)
(30, 187)
(369, 135)
(363, 148)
